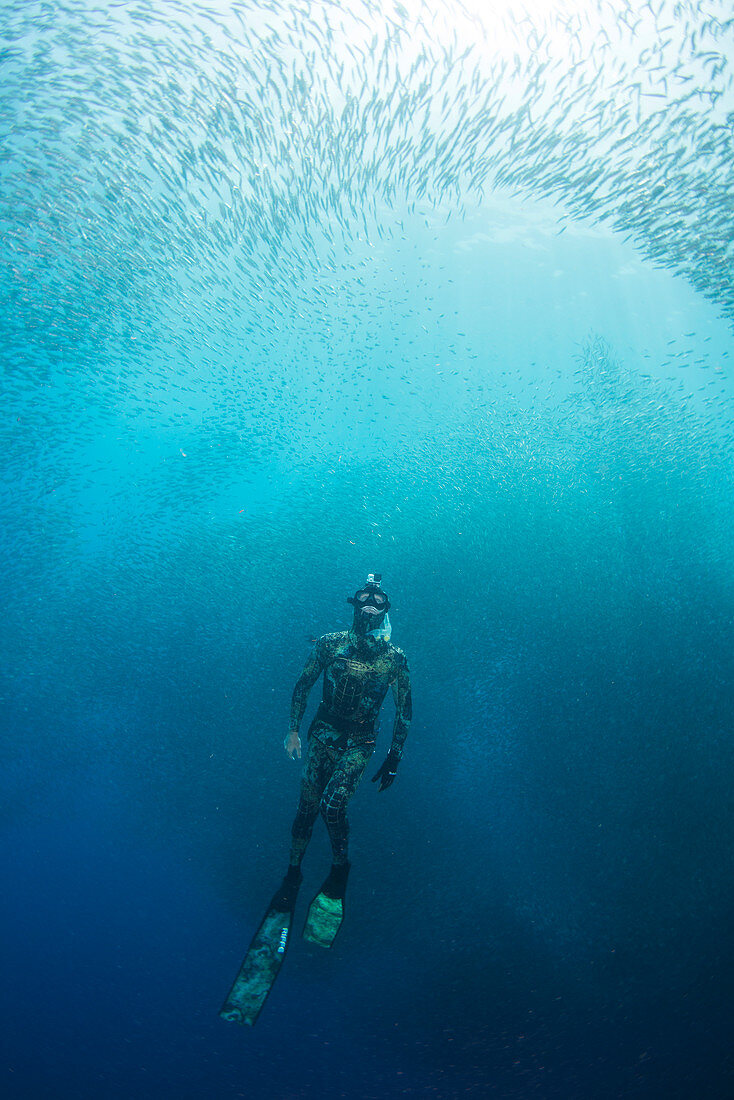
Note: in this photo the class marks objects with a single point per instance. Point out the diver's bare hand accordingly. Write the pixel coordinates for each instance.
(292, 745)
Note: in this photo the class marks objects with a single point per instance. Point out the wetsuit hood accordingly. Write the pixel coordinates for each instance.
(370, 605)
(371, 638)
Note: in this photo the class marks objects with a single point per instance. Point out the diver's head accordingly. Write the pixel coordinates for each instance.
(370, 605)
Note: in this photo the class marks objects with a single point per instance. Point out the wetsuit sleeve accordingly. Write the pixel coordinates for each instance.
(403, 707)
(313, 669)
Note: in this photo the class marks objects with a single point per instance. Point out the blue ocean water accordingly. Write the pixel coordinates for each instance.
(291, 294)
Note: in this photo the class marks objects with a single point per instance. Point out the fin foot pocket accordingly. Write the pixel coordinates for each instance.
(284, 899)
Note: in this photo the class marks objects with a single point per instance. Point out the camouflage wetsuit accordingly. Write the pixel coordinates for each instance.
(357, 674)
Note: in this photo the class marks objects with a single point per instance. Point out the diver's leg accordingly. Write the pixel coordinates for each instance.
(316, 774)
(337, 792)
(326, 912)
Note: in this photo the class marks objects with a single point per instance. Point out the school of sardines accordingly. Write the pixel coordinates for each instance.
(239, 147)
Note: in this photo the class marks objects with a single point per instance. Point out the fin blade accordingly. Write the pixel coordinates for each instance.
(325, 916)
(259, 969)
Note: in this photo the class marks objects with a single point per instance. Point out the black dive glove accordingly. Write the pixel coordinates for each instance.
(387, 772)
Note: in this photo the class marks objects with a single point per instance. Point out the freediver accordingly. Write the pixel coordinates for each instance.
(359, 665)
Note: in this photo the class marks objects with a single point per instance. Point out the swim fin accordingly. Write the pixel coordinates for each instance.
(264, 958)
(326, 911)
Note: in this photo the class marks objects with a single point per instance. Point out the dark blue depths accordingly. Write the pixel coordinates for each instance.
(540, 906)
